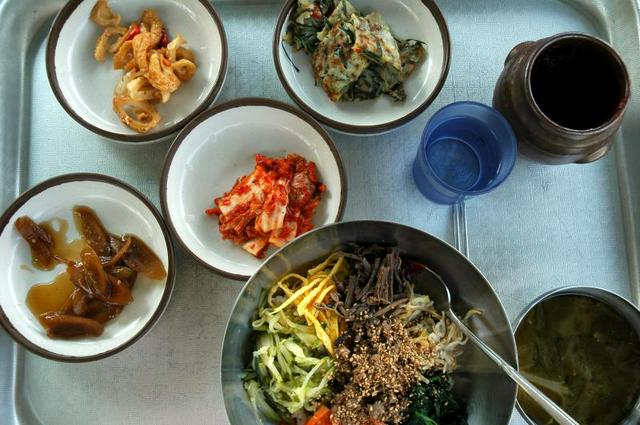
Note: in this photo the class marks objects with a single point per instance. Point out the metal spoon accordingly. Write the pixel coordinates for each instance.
(428, 282)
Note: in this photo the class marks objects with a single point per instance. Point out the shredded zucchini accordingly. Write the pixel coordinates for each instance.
(292, 361)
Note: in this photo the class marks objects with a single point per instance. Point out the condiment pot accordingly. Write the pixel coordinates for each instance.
(564, 96)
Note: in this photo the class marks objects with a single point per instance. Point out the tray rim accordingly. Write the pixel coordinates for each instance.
(16, 181)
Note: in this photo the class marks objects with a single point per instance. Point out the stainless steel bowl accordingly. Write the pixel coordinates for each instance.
(623, 307)
(488, 393)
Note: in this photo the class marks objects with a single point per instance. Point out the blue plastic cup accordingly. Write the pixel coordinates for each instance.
(467, 149)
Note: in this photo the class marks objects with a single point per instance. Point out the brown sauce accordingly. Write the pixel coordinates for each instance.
(51, 296)
(69, 250)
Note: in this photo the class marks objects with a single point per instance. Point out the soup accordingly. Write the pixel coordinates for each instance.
(583, 355)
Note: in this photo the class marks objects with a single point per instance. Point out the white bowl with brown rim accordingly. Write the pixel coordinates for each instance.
(218, 147)
(84, 87)
(408, 19)
(122, 209)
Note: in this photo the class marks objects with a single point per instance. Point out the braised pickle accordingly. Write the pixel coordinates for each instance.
(92, 230)
(40, 242)
(101, 269)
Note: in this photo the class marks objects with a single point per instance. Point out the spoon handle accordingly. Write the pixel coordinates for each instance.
(460, 234)
(543, 401)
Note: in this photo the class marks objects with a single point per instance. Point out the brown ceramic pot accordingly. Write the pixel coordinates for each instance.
(565, 97)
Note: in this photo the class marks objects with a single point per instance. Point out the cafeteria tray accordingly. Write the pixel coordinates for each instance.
(545, 227)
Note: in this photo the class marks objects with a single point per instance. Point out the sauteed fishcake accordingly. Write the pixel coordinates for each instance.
(154, 66)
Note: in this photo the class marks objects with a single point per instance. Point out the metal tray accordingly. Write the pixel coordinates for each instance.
(545, 227)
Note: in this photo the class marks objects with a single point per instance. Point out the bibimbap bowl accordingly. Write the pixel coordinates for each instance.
(488, 394)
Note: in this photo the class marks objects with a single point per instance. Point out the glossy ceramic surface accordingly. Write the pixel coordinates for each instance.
(415, 19)
(540, 137)
(219, 147)
(84, 87)
(122, 210)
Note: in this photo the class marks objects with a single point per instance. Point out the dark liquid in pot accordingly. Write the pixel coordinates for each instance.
(577, 84)
(582, 354)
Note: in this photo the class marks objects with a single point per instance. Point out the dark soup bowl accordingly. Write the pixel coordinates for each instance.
(581, 345)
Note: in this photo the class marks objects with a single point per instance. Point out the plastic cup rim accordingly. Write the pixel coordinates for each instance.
(503, 121)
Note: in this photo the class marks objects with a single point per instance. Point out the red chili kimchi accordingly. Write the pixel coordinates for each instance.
(272, 205)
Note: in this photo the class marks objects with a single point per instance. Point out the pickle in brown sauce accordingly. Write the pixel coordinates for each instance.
(122, 272)
(92, 230)
(100, 274)
(40, 242)
(94, 275)
(120, 292)
(102, 312)
(142, 259)
(51, 296)
(60, 325)
(63, 249)
(77, 303)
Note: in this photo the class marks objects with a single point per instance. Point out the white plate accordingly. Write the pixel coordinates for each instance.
(84, 87)
(217, 148)
(122, 210)
(408, 19)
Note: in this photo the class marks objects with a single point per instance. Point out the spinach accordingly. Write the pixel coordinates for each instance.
(412, 52)
(381, 78)
(433, 403)
(372, 57)
(304, 36)
(367, 86)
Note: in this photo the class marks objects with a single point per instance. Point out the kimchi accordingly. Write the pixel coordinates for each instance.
(270, 206)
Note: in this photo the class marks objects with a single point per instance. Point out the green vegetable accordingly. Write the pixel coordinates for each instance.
(418, 418)
(309, 18)
(258, 400)
(412, 52)
(375, 81)
(312, 21)
(433, 403)
(290, 369)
